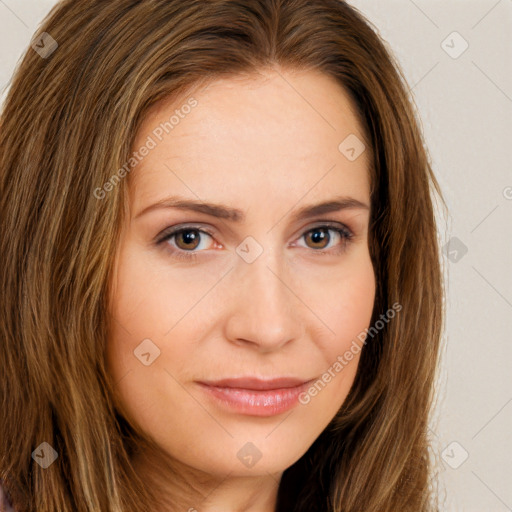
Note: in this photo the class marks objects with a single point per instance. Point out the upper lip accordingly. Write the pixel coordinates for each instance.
(256, 383)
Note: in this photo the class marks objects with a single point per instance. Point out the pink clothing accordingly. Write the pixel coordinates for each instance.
(5, 506)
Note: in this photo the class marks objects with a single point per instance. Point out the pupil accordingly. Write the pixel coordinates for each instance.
(189, 237)
(318, 236)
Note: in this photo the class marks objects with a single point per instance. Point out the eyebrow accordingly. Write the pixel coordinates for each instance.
(235, 215)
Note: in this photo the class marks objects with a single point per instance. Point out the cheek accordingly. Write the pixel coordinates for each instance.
(346, 307)
(152, 313)
(344, 302)
(353, 303)
(155, 295)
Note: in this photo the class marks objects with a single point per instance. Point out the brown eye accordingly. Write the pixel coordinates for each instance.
(187, 239)
(319, 238)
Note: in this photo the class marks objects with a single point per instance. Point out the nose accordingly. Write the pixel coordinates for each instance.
(264, 311)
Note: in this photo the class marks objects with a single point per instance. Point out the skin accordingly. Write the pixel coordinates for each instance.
(267, 145)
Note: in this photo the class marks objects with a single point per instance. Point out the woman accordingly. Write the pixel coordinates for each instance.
(221, 277)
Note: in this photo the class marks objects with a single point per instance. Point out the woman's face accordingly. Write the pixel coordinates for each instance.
(257, 286)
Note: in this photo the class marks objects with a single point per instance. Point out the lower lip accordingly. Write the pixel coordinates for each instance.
(269, 402)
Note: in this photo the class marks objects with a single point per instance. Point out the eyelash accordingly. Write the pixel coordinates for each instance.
(345, 234)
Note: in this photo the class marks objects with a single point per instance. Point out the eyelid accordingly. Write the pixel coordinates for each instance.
(327, 224)
(172, 230)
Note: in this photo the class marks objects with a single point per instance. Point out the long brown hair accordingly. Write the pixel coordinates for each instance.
(67, 127)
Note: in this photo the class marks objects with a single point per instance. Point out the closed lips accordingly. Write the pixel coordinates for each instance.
(256, 384)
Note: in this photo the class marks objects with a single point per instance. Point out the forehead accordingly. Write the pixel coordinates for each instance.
(278, 131)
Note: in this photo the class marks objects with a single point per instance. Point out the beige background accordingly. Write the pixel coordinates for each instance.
(465, 102)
